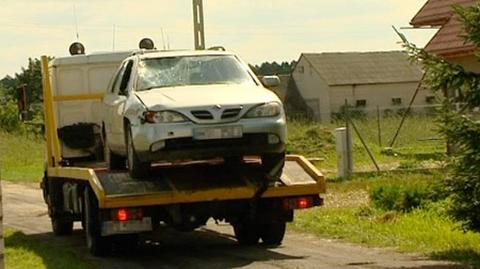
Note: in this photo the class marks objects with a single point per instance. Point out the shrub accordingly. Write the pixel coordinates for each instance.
(9, 117)
(401, 196)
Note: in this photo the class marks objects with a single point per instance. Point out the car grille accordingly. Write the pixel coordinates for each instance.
(202, 114)
(231, 113)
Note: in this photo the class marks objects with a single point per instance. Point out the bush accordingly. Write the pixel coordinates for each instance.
(401, 196)
(9, 117)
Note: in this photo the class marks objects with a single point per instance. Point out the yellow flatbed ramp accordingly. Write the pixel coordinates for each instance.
(197, 182)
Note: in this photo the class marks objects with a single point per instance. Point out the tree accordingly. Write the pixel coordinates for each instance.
(267, 68)
(458, 125)
(31, 76)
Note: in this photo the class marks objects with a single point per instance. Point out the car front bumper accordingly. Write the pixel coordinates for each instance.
(170, 142)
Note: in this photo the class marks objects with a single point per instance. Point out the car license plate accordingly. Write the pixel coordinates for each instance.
(218, 132)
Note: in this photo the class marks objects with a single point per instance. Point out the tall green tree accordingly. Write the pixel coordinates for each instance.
(459, 125)
(31, 76)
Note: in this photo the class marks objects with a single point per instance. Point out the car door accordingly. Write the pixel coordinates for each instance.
(115, 106)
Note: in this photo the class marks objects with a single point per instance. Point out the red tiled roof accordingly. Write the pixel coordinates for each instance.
(437, 12)
(448, 41)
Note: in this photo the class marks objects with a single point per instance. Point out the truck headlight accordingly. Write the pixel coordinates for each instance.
(164, 117)
(266, 110)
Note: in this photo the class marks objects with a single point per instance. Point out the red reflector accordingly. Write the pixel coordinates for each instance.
(122, 215)
(298, 203)
(303, 203)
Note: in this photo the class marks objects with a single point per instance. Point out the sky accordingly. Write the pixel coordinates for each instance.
(258, 30)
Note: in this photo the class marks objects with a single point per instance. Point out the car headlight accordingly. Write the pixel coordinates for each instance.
(266, 110)
(164, 117)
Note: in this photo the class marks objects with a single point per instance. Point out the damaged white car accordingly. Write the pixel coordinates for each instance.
(191, 105)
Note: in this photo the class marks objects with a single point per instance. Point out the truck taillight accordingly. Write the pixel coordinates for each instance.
(124, 214)
(302, 202)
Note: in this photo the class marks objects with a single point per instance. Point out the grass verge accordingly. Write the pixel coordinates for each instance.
(21, 157)
(428, 230)
(23, 251)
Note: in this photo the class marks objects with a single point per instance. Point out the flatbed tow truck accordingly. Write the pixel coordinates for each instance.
(115, 208)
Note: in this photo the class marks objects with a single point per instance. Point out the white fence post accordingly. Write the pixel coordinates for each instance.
(344, 152)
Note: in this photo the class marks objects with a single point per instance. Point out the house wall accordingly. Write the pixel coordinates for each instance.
(313, 89)
(470, 63)
(378, 95)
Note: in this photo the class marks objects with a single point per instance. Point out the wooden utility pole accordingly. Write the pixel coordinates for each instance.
(198, 25)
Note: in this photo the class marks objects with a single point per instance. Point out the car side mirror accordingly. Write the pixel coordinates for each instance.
(271, 81)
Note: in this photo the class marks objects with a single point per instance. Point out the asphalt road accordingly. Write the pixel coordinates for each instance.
(210, 247)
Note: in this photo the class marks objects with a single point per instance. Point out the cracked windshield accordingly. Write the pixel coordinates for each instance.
(191, 70)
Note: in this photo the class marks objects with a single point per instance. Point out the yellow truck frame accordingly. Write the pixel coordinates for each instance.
(60, 175)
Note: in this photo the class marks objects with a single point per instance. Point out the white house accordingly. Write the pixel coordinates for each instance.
(365, 79)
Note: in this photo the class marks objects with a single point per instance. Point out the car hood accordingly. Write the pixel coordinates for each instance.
(205, 95)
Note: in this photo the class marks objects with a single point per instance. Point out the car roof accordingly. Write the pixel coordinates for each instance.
(145, 54)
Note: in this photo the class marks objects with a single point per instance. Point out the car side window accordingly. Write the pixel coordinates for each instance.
(126, 78)
(116, 82)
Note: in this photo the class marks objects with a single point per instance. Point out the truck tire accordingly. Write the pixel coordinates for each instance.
(247, 233)
(62, 225)
(273, 161)
(97, 244)
(136, 168)
(272, 233)
(62, 222)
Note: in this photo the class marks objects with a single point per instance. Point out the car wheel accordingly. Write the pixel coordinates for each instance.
(136, 168)
(272, 233)
(273, 164)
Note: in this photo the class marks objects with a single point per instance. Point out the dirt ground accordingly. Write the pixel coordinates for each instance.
(212, 246)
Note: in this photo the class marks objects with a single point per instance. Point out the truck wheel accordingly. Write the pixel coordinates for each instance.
(62, 225)
(136, 168)
(272, 233)
(272, 161)
(247, 234)
(96, 244)
(62, 222)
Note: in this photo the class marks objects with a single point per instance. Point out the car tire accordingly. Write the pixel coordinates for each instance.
(97, 245)
(272, 161)
(272, 233)
(114, 161)
(247, 233)
(136, 168)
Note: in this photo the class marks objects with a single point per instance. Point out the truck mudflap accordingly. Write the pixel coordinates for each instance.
(195, 182)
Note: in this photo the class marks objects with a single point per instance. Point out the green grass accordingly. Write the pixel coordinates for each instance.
(414, 148)
(429, 230)
(23, 251)
(21, 157)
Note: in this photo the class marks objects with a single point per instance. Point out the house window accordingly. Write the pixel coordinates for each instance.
(430, 99)
(396, 101)
(361, 103)
(301, 69)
